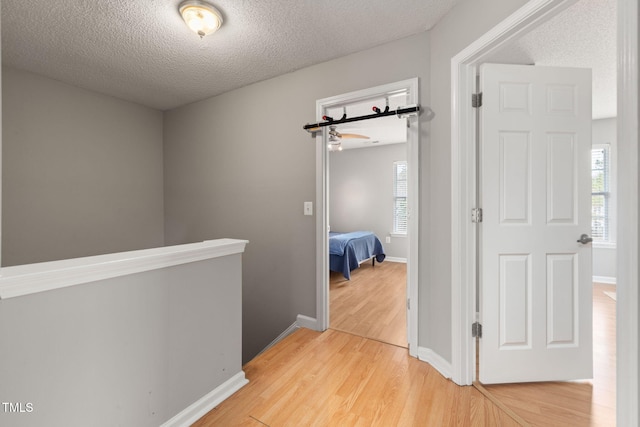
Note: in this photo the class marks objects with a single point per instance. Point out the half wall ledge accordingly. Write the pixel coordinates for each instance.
(29, 279)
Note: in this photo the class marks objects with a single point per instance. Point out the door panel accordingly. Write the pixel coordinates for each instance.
(562, 305)
(535, 192)
(515, 304)
(561, 178)
(515, 178)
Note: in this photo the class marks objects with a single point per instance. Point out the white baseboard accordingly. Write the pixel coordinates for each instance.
(301, 322)
(604, 279)
(435, 360)
(307, 322)
(395, 259)
(199, 408)
(291, 329)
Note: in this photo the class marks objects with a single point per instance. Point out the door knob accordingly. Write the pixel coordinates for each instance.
(584, 239)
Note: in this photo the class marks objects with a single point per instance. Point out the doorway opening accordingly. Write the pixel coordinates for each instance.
(368, 193)
(338, 213)
(464, 66)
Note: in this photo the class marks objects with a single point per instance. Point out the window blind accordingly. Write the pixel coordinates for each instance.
(400, 197)
(600, 171)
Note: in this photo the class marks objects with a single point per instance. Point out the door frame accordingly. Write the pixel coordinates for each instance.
(463, 187)
(322, 201)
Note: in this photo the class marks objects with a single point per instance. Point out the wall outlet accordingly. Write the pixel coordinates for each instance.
(388, 239)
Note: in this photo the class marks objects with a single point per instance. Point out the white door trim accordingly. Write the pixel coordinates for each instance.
(627, 267)
(322, 218)
(463, 177)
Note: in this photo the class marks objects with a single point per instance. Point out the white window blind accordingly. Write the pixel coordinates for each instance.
(600, 171)
(400, 197)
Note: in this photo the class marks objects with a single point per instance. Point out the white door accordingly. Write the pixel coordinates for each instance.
(535, 193)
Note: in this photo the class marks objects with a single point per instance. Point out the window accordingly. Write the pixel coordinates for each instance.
(600, 193)
(400, 197)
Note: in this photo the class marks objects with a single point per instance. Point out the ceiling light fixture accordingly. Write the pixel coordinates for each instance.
(201, 17)
(334, 143)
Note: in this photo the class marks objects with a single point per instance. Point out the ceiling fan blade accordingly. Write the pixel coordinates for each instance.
(353, 136)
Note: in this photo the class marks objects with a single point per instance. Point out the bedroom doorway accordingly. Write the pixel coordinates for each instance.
(367, 223)
(357, 174)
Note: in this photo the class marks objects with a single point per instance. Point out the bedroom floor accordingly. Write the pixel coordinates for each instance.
(372, 303)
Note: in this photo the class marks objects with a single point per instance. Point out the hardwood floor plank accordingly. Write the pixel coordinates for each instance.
(339, 379)
(372, 304)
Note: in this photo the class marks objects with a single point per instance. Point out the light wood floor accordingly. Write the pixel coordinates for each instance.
(372, 304)
(337, 378)
(587, 403)
(340, 379)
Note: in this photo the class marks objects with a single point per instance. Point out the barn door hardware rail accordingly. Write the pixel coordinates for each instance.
(410, 110)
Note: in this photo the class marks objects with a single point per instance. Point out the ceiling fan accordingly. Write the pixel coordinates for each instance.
(337, 135)
(335, 138)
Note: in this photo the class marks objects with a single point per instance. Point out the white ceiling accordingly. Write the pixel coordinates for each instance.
(583, 36)
(141, 50)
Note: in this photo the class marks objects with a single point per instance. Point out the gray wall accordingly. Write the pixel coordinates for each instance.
(361, 193)
(129, 351)
(459, 28)
(604, 256)
(82, 172)
(240, 165)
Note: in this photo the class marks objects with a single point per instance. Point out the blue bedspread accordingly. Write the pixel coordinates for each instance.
(338, 241)
(347, 250)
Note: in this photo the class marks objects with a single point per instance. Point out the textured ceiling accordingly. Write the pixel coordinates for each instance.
(141, 50)
(582, 36)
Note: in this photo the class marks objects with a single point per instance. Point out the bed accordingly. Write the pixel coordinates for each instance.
(348, 250)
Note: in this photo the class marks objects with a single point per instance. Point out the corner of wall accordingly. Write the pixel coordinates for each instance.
(307, 322)
(435, 360)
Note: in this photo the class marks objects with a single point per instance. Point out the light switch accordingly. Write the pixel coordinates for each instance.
(308, 208)
(388, 239)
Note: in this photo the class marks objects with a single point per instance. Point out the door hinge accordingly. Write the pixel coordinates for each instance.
(476, 215)
(476, 100)
(408, 304)
(476, 330)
